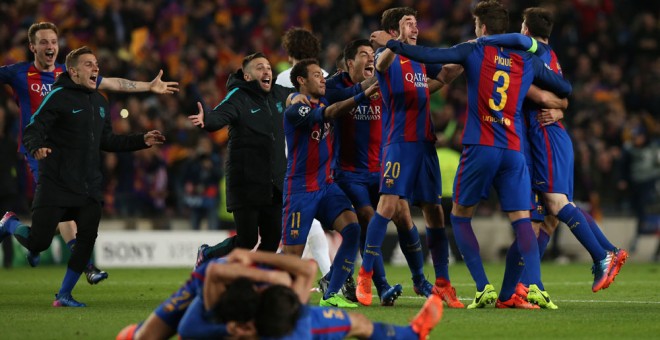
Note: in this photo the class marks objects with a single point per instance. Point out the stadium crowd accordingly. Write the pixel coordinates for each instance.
(610, 52)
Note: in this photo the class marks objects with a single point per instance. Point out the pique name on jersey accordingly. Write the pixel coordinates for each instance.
(366, 112)
(503, 61)
(417, 79)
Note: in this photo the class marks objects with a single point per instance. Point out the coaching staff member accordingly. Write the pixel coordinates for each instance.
(256, 164)
(66, 135)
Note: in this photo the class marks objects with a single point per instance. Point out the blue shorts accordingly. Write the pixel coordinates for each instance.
(482, 166)
(360, 187)
(552, 159)
(538, 212)
(411, 171)
(301, 208)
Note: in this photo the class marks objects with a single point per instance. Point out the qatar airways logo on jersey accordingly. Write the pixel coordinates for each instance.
(417, 79)
(42, 89)
(366, 112)
(321, 133)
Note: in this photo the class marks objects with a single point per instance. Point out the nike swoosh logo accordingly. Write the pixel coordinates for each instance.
(370, 246)
(403, 61)
(255, 111)
(547, 299)
(481, 295)
(30, 74)
(76, 111)
(539, 182)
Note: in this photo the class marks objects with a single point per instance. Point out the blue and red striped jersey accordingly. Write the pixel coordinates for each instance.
(358, 135)
(309, 140)
(531, 109)
(541, 50)
(30, 88)
(405, 92)
(498, 79)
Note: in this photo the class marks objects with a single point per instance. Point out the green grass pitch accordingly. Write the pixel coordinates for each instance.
(629, 309)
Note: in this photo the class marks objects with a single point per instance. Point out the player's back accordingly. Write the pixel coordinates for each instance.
(405, 92)
(498, 80)
(357, 135)
(309, 140)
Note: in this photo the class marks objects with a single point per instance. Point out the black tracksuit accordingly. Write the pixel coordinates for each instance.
(74, 122)
(256, 163)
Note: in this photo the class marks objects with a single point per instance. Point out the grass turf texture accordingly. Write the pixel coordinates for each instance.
(630, 308)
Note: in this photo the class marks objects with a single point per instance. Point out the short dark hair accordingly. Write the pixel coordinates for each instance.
(492, 14)
(391, 17)
(251, 57)
(300, 70)
(340, 63)
(279, 311)
(72, 58)
(38, 26)
(239, 302)
(301, 44)
(351, 49)
(539, 21)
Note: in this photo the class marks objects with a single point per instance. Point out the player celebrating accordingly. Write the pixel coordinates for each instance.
(551, 156)
(497, 79)
(32, 81)
(356, 160)
(409, 168)
(309, 190)
(281, 312)
(66, 135)
(220, 300)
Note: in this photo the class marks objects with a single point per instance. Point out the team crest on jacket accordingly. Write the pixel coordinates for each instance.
(303, 111)
(102, 112)
(280, 108)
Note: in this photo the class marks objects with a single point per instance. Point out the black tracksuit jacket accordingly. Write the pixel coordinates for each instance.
(74, 122)
(256, 161)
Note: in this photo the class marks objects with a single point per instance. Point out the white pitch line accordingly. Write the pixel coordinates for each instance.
(556, 300)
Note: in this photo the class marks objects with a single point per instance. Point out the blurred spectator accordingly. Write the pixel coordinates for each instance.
(201, 182)
(642, 175)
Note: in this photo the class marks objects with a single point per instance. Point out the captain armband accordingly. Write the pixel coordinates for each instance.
(534, 46)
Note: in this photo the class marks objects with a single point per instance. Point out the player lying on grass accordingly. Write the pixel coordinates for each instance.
(232, 305)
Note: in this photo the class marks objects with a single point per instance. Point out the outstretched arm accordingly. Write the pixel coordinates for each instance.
(432, 55)
(157, 85)
(343, 107)
(511, 40)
